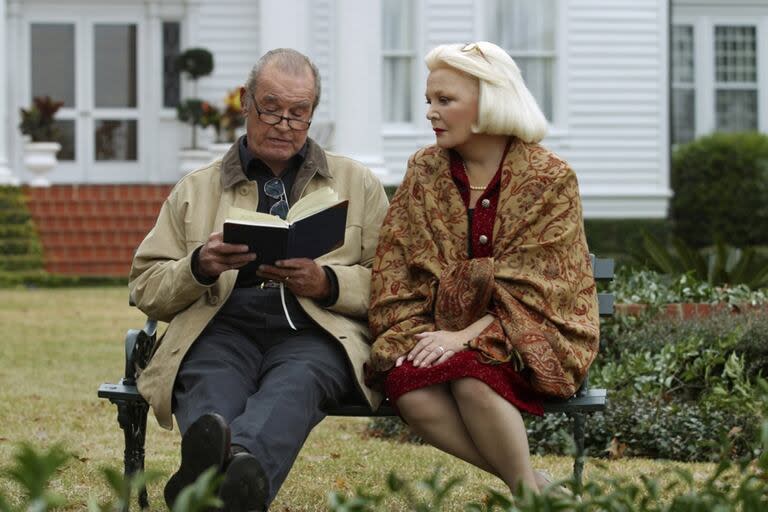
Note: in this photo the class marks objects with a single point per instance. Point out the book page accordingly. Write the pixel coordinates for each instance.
(243, 216)
(313, 202)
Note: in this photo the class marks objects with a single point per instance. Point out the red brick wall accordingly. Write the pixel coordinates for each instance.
(93, 229)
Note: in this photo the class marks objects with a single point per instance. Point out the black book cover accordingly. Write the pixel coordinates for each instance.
(309, 237)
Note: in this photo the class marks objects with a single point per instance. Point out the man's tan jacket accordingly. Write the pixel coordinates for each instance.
(163, 286)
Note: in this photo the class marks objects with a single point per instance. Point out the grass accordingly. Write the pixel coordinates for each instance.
(59, 345)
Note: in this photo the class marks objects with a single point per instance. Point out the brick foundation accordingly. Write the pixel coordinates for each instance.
(93, 229)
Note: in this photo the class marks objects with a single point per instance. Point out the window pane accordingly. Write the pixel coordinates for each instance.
(65, 137)
(397, 90)
(736, 110)
(537, 74)
(524, 25)
(683, 115)
(53, 61)
(397, 31)
(682, 53)
(114, 48)
(115, 139)
(171, 50)
(735, 54)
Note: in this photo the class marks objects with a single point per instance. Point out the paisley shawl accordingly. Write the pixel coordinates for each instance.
(538, 284)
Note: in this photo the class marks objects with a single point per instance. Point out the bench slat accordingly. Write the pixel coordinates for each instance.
(602, 268)
(592, 400)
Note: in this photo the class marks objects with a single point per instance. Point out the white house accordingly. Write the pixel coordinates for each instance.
(599, 68)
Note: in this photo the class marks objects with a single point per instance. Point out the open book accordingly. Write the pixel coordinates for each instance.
(315, 225)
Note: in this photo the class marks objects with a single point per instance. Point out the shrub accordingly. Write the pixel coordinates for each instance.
(718, 265)
(20, 248)
(720, 185)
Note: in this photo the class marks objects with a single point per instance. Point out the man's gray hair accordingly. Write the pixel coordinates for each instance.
(287, 60)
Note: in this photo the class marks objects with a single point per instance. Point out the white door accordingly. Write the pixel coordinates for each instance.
(91, 64)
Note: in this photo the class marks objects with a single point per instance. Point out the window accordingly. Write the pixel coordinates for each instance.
(398, 51)
(683, 90)
(52, 62)
(735, 78)
(527, 31)
(171, 50)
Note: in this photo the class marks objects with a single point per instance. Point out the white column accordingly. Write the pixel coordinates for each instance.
(6, 174)
(284, 24)
(358, 83)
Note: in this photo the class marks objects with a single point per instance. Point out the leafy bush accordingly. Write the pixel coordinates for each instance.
(674, 386)
(20, 248)
(655, 289)
(718, 265)
(720, 185)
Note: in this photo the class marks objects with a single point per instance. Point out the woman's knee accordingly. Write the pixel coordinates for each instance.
(473, 391)
(422, 405)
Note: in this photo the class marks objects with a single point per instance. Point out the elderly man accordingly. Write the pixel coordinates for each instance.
(245, 383)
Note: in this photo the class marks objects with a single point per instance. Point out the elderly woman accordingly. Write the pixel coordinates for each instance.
(483, 300)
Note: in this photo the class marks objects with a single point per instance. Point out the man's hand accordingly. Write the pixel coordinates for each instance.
(216, 256)
(302, 276)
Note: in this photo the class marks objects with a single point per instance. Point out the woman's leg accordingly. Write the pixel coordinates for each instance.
(432, 413)
(497, 431)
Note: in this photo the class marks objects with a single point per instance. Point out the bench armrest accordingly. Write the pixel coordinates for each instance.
(139, 347)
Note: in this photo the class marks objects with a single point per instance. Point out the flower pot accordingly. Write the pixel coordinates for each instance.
(40, 158)
(193, 158)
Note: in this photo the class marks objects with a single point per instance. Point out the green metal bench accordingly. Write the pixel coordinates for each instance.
(139, 343)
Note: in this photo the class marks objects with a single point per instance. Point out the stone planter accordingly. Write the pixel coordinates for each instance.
(39, 159)
(192, 158)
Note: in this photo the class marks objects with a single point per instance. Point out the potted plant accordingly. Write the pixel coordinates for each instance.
(230, 119)
(195, 63)
(40, 146)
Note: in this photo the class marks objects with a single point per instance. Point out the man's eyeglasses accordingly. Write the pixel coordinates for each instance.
(275, 189)
(273, 119)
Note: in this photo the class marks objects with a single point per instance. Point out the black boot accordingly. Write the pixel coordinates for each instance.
(205, 444)
(245, 487)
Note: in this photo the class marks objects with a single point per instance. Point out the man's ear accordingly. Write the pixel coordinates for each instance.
(243, 99)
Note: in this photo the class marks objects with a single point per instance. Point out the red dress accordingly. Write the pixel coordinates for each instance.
(501, 377)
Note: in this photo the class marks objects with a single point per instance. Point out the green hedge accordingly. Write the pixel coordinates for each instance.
(675, 388)
(720, 185)
(20, 249)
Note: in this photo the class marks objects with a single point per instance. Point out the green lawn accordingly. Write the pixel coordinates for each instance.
(59, 345)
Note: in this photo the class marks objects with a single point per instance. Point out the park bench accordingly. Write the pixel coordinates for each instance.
(139, 343)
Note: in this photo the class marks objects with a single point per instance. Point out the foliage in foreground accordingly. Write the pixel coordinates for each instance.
(733, 486)
(33, 470)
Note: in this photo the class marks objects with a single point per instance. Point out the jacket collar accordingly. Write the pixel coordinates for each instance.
(232, 172)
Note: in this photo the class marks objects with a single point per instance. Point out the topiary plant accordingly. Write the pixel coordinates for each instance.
(721, 188)
(197, 63)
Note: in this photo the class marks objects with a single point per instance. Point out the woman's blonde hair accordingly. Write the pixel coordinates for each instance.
(505, 105)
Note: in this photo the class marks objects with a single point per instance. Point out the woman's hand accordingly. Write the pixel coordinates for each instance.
(435, 347)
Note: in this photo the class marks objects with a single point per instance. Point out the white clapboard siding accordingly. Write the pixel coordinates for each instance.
(322, 52)
(616, 105)
(230, 30)
(448, 21)
(440, 22)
